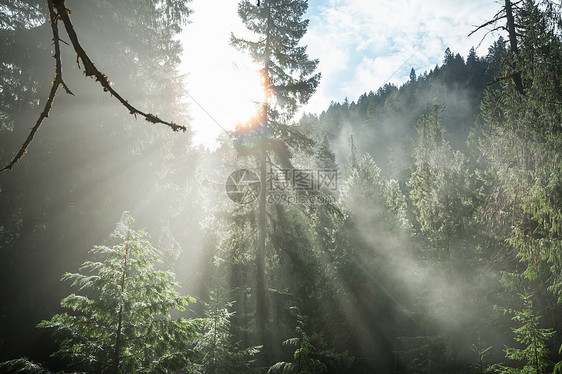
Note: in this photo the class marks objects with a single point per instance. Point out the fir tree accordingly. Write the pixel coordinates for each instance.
(308, 359)
(289, 81)
(440, 190)
(413, 76)
(23, 366)
(220, 353)
(520, 145)
(325, 157)
(304, 362)
(122, 323)
(534, 339)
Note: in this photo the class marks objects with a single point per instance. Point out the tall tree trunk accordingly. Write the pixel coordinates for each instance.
(116, 357)
(118, 343)
(261, 306)
(513, 43)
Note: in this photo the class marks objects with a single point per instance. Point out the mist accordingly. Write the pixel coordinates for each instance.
(414, 228)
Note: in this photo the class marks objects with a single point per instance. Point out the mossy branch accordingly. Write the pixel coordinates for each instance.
(58, 10)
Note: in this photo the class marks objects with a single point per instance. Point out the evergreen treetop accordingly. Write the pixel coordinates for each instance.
(122, 322)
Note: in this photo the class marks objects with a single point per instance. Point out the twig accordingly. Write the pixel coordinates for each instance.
(57, 81)
(493, 21)
(497, 80)
(89, 70)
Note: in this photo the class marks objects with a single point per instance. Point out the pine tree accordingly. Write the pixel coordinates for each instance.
(325, 157)
(440, 190)
(307, 358)
(288, 73)
(304, 362)
(442, 200)
(23, 366)
(220, 353)
(534, 339)
(520, 144)
(413, 75)
(123, 323)
(289, 81)
(448, 57)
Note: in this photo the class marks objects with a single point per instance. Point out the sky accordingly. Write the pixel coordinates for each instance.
(361, 45)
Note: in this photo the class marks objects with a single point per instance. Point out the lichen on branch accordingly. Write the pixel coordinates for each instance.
(58, 11)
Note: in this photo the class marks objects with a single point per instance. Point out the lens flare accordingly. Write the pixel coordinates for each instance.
(246, 96)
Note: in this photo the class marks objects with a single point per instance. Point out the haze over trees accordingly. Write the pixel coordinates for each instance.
(414, 229)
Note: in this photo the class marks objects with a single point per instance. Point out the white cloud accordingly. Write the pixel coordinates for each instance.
(377, 37)
(360, 44)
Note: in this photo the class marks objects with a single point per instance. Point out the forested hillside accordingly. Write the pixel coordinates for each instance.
(382, 122)
(414, 229)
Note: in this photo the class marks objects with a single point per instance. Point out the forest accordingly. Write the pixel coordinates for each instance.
(416, 228)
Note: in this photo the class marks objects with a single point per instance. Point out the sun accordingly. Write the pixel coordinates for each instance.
(245, 92)
(224, 85)
(225, 93)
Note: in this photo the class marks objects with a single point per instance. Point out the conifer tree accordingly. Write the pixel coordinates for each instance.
(520, 145)
(440, 190)
(304, 360)
(21, 366)
(122, 322)
(325, 157)
(534, 339)
(220, 353)
(413, 75)
(308, 357)
(288, 81)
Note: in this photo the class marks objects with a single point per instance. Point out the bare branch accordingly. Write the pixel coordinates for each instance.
(502, 9)
(497, 80)
(496, 29)
(511, 27)
(492, 22)
(515, 5)
(91, 71)
(57, 81)
(64, 42)
(489, 32)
